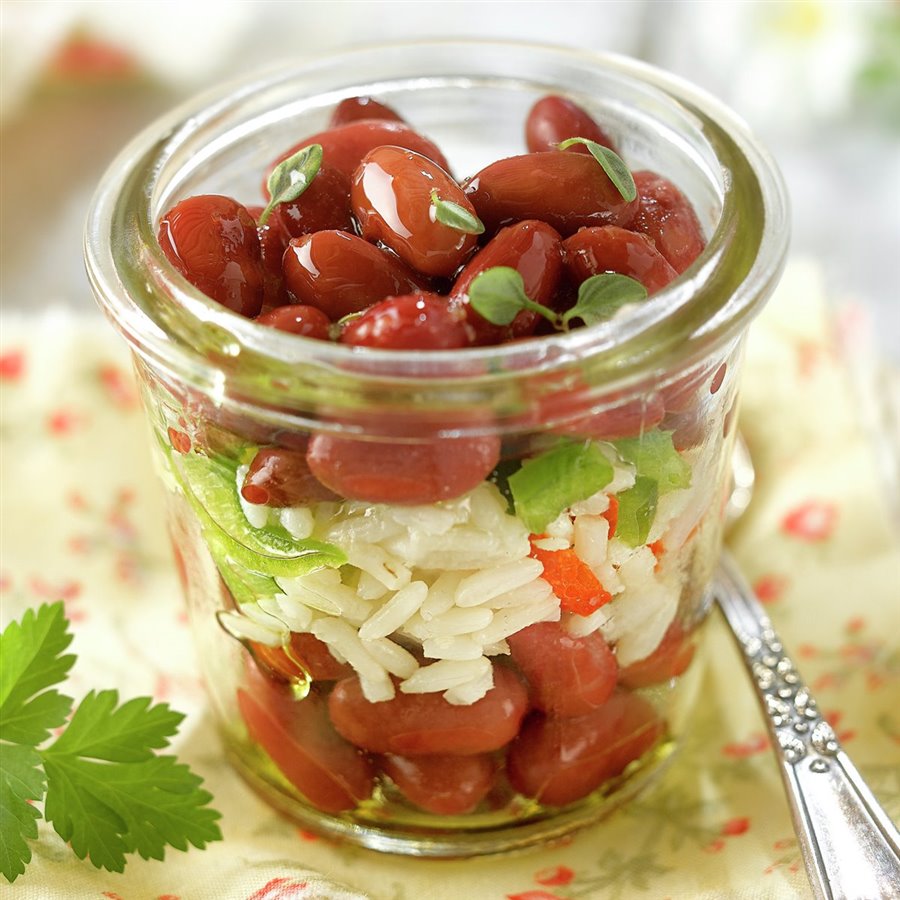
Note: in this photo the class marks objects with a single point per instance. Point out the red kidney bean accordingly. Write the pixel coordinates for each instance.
(593, 251)
(559, 761)
(324, 205)
(553, 119)
(419, 321)
(532, 248)
(212, 241)
(426, 724)
(391, 198)
(566, 190)
(341, 273)
(667, 217)
(281, 477)
(355, 108)
(273, 241)
(434, 469)
(669, 660)
(330, 773)
(344, 146)
(306, 655)
(568, 676)
(444, 785)
(297, 318)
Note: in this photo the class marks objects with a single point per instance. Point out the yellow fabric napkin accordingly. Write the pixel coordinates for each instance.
(82, 520)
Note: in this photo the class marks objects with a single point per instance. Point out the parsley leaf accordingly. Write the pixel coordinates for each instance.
(21, 781)
(104, 789)
(31, 661)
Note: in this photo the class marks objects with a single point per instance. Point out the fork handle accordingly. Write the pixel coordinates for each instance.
(849, 844)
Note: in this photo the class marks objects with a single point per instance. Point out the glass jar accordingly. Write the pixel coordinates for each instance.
(461, 654)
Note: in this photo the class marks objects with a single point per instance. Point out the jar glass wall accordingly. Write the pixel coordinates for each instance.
(461, 615)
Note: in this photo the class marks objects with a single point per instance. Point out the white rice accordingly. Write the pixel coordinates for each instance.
(391, 616)
(591, 535)
(257, 514)
(458, 646)
(344, 638)
(370, 588)
(441, 594)
(512, 619)
(480, 588)
(295, 615)
(473, 690)
(267, 630)
(523, 596)
(396, 659)
(380, 564)
(298, 521)
(459, 621)
(445, 674)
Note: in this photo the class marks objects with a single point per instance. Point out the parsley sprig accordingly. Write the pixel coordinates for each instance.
(498, 294)
(104, 789)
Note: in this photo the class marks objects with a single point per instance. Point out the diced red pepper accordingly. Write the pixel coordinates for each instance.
(612, 515)
(578, 588)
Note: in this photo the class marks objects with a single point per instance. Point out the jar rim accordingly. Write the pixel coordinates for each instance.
(192, 336)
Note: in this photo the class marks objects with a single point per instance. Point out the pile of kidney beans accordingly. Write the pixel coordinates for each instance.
(363, 237)
(361, 259)
(560, 721)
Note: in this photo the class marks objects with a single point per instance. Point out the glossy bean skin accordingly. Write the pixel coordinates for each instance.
(554, 119)
(593, 251)
(568, 676)
(305, 655)
(340, 273)
(420, 321)
(667, 217)
(344, 146)
(212, 241)
(279, 476)
(426, 724)
(443, 785)
(273, 241)
(324, 205)
(533, 249)
(566, 190)
(408, 474)
(390, 195)
(355, 108)
(330, 773)
(559, 761)
(295, 318)
(669, 660)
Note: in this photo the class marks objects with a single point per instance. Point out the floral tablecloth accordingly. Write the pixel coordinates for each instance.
(82, 521)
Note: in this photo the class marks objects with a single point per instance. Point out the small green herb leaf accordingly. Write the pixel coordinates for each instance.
(612, 164)
(21, 784)
(553, 481)
(601, 296)
(498, 294)
(291, 177)
(32, 660)
(455, 216)
(637, 509)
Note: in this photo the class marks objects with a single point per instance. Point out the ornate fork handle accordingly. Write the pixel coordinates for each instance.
(849, 845)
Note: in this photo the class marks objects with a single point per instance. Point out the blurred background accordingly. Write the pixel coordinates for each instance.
(818, 81)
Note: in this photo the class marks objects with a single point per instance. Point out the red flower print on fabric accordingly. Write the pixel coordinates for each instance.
(737, 826)
(811, 521)
(757, 743)
(281, 889)
(62, 422)
(119, 386)
(554, 875)
(769, 588)
(533, 895)
(12, 365)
